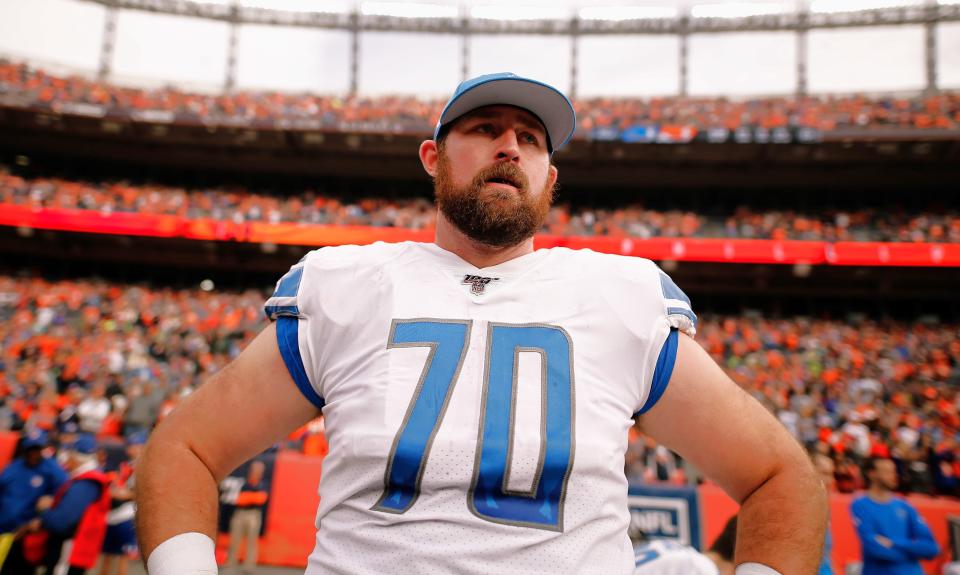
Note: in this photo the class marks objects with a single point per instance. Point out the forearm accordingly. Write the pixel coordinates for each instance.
(782, 523)
(176, 493)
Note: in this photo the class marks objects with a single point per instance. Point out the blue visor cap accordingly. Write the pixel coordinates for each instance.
(85, 444)
(34, 440)
(542, 100)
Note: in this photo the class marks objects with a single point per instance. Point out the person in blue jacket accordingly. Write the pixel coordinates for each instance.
(893, 536)
(27, 479)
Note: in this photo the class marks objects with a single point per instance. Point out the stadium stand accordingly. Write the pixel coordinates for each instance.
(239, 205)
(851, 389)
(28, 86)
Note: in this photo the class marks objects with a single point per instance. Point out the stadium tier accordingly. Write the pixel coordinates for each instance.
(309, 208)
(669, 120)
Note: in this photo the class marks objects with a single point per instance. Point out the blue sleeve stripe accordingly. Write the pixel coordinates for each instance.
(288, 341)
(662, 372)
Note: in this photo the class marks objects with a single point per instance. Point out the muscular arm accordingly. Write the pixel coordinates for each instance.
(242, 410)
(733, 440)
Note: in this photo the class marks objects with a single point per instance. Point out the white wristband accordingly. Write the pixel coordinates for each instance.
(754, 569)
(184, 554)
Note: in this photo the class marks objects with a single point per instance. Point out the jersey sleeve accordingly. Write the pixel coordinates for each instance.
(295, 314)
(673, 314)
(677, 307)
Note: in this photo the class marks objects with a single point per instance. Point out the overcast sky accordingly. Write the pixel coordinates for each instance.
(152, 49)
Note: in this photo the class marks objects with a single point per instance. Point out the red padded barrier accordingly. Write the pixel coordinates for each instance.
(680, 249)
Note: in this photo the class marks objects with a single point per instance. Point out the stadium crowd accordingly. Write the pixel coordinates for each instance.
(112, 360)
(397, 113)
(239, 205)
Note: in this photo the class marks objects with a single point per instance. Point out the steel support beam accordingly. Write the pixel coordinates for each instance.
(107, 42)
(683, 32)
(354, 51)
(230, 82)
(930, 47)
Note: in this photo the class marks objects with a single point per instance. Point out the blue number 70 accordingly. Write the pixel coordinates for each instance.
(489, 498)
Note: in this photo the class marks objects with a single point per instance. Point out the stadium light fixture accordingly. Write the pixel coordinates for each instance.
(620, 13)
(507, 12)
(739, 9)
(325, 6)
(826, 6)
(408, 10)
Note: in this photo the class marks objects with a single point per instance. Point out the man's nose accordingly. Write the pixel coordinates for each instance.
(508, 148)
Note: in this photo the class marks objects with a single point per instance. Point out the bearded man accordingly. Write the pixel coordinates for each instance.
(477, 393)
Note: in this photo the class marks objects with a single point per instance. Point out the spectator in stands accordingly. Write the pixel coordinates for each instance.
(145, 400)
(76, 520)
(93, 409)
(248, 516)
(847, 474)
(893, 536)
(120, 542)
(22, 484)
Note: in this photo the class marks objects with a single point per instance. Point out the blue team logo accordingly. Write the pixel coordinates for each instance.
(477, 283)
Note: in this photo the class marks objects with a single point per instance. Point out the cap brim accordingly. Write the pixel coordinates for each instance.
(546, 102)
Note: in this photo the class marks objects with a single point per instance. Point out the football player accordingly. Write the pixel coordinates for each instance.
(477, 392)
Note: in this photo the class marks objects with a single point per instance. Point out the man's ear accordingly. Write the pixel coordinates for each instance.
(429, 157)
(552, 174)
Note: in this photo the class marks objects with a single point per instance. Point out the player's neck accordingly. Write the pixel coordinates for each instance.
(450, 238)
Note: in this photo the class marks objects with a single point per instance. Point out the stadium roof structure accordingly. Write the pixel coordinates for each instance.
(682, 23)
(424, 18)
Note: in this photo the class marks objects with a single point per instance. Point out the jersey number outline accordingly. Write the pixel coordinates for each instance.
(489, 498)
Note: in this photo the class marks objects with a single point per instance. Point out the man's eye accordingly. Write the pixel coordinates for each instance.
(484, 128)
(530, 138)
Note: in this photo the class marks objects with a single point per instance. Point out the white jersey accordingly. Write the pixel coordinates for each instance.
(477, 418)
(671, 558)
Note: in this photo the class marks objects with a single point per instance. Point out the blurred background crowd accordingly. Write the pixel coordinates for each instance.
(113, 359)
(393, 113)
(241, 205)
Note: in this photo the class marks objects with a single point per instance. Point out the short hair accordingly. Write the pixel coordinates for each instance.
(725, 543)
(871, 463)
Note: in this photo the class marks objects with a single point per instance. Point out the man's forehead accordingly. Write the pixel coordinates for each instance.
(498, 111)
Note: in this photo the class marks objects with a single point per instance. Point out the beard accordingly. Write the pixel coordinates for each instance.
(497, 218)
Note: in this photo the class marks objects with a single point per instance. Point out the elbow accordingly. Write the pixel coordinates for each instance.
(171, 447)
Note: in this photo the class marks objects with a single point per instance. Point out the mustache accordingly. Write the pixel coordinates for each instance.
(504, 172)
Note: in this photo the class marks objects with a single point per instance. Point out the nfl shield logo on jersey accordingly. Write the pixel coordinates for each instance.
(477, 283)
